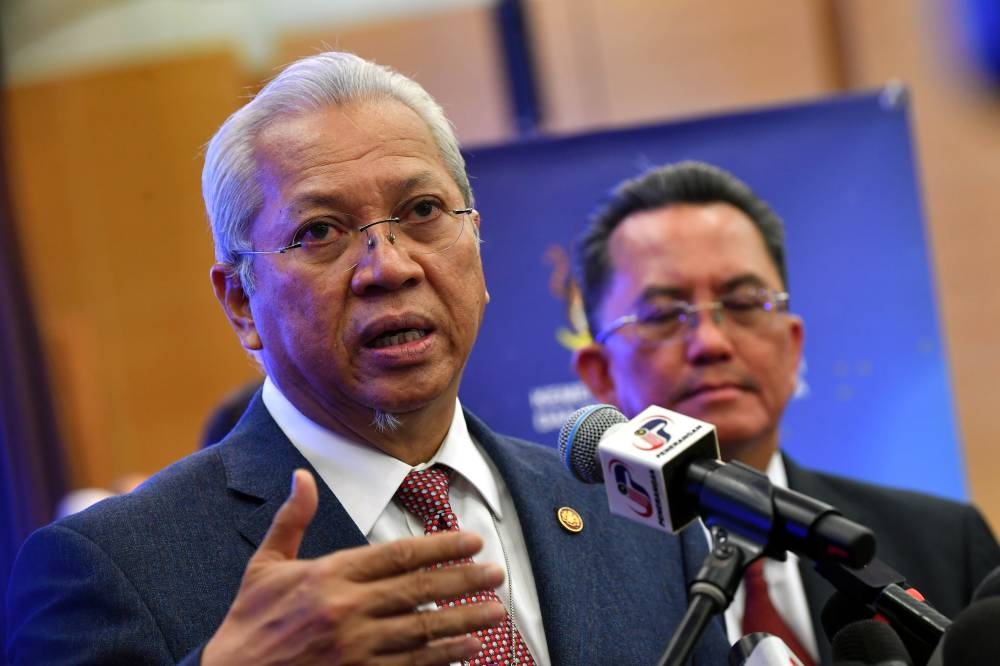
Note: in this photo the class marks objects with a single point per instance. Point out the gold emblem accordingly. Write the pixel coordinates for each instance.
(570, 519)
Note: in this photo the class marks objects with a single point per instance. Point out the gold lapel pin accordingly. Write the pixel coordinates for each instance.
(569, 519)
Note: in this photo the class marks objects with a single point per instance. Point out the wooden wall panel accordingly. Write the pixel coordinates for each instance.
(638, 61)
(105, 172)
(455, 54)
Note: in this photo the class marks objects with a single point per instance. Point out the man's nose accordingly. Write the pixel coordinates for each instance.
(385, 261)
(705, 338)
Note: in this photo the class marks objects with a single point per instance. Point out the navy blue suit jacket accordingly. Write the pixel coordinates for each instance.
(147, 578)
(943, 548)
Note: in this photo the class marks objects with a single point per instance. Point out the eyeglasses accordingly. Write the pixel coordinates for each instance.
(668, 319)
(423, 225)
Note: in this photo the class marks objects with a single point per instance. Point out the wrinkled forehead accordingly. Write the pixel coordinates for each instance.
(360, 152)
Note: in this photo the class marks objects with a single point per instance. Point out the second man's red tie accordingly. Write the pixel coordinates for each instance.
(761, 615)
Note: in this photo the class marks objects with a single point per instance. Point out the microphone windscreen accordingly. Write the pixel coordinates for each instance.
(869, 642)
(973, 639)
(989, 587)
(580, 436)
(840, 611)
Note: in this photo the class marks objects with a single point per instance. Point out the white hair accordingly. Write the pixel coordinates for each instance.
(385, 422)
(232, 194)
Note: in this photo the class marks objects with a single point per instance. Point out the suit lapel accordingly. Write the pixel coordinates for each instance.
(259, 461)
(560, 560)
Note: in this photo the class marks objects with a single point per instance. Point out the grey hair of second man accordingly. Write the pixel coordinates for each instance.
(688, 182)
(232, 194)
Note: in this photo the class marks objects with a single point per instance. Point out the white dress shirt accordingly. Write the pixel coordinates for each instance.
(784, 583)
(365, 480)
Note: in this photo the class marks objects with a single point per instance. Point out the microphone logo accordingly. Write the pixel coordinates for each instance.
(652, 434)
(637, 497)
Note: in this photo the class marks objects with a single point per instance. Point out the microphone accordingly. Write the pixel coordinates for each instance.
(878, 588)
(662, 469)
(840, 611)
(869, 643)
(989, 587)
(762, 649)
(973, 639)
(975, 625)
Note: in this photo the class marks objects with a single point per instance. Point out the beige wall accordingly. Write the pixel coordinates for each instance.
(105, 171)
(639, 61)
(454, 54)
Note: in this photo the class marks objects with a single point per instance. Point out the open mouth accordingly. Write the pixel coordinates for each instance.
(397, 337)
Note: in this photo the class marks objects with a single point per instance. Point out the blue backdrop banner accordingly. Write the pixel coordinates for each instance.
(874, 399)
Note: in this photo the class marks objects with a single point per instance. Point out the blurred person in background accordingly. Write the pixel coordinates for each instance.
(81, 498)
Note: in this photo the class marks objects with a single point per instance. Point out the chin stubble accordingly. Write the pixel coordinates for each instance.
(385, 422)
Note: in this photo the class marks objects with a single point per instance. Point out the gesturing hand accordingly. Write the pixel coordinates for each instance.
(355, 606)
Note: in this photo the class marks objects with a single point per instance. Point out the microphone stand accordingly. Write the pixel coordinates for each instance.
(711, 591)
(748, 517)
(738, 538)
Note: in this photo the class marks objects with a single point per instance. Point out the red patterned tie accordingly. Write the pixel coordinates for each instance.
(761, 615)
(425, 495)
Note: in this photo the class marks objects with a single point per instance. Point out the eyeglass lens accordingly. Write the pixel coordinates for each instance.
(423, 226)
(672, 319)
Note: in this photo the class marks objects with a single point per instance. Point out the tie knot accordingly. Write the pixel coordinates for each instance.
(424, 493)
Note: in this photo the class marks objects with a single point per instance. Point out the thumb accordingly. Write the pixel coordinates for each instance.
(290, 522)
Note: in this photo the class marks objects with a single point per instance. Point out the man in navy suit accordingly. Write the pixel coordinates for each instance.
(684, 285)
(349, 267)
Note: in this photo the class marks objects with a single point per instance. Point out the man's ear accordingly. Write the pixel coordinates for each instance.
(591, 365)
(797, 333)
(236, 304)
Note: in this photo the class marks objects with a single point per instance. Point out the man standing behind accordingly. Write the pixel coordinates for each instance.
(683, 279)
(349, 267)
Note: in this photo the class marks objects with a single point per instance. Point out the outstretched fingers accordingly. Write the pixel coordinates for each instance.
(435, 627)
(401, 593)
(405, 555)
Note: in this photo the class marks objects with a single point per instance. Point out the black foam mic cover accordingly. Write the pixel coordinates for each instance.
(840, 611)
(989, 587)
(973, 639)
(869, 643)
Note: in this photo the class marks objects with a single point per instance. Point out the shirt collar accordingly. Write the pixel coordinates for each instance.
(776, 470)
(364, 478)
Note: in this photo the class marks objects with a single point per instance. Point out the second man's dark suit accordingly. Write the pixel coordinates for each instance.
(943, 548)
